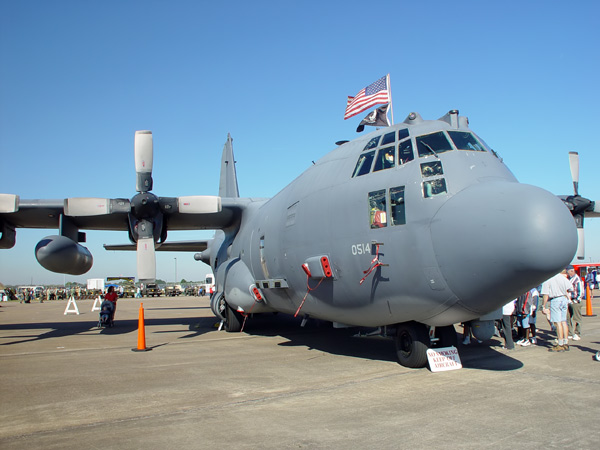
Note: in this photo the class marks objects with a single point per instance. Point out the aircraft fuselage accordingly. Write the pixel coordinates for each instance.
(455, 233)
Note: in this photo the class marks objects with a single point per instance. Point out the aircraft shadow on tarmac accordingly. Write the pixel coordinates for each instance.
(315, 335)
(321, 336)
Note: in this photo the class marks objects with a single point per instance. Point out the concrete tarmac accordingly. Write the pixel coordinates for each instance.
(65, 384)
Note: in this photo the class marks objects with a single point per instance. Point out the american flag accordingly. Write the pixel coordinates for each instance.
(373, 94)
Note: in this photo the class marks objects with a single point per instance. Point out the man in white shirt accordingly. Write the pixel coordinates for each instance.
(557, 291)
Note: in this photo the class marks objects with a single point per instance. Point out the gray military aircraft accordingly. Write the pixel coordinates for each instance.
(408, 229)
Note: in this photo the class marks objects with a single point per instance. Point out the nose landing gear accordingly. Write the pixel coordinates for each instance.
(412, 342)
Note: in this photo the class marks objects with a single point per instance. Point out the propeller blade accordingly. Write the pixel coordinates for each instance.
(92, 206)
(199, 204)
(580, 244)
(143, 150)
(574, 164)
(146, 259)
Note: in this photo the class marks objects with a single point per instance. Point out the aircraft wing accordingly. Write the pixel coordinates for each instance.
(62, 252)
(41, 213)
(47, 214)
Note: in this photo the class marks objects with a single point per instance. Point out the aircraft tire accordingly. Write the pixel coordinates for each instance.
(234, 320)
(447, 336)
(412, 342)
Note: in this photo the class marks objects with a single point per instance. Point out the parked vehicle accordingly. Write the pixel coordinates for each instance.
(152, 290)
(173, 291)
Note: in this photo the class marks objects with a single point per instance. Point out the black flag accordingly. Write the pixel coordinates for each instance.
(375, 118)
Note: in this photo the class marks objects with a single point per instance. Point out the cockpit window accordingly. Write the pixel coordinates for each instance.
(363, 165)
(385, 159)
(388, 138)
(465, 141)
(382, 150)
(372, 143)
(432, 144)
(405, 152)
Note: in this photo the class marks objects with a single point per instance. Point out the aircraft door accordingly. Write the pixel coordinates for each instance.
(263, 260)
(258, 258)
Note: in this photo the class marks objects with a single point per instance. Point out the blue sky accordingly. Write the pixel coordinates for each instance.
(78, 78)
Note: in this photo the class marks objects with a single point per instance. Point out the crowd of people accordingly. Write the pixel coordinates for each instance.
(41, 294)
(559, 299)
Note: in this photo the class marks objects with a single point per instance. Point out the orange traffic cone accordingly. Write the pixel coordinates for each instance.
(588, 301)
(141, 345)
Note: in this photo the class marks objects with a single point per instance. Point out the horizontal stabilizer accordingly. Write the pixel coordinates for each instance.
(181, 246)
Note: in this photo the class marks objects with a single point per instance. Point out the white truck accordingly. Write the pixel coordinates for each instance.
(208, 287)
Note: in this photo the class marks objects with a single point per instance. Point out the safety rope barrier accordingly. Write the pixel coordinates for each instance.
(308, 290)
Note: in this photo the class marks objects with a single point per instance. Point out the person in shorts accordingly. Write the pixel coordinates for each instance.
(557, 290)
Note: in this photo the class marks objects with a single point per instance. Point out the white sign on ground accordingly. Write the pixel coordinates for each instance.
(442, 359)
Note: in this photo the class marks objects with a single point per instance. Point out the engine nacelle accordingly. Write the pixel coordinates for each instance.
(63, 255)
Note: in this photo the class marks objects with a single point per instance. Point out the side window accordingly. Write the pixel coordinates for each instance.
(363, 165)
(397, 208)
(385, 159)
(372, 143)
(431, 188)
(436, 186)
(377, 209)
(405, 152)
(432, 144)
(388, 138)
(431, 169)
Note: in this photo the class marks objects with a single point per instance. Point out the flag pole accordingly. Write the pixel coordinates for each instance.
(390, 94)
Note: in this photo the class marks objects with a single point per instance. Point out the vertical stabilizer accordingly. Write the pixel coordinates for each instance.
(228, 185)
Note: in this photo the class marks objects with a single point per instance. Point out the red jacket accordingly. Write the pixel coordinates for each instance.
(111, 296)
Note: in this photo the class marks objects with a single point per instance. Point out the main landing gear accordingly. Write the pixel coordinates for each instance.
(413, 339)
(233, 320)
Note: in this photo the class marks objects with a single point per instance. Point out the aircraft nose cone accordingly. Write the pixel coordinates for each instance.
(495, 240)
